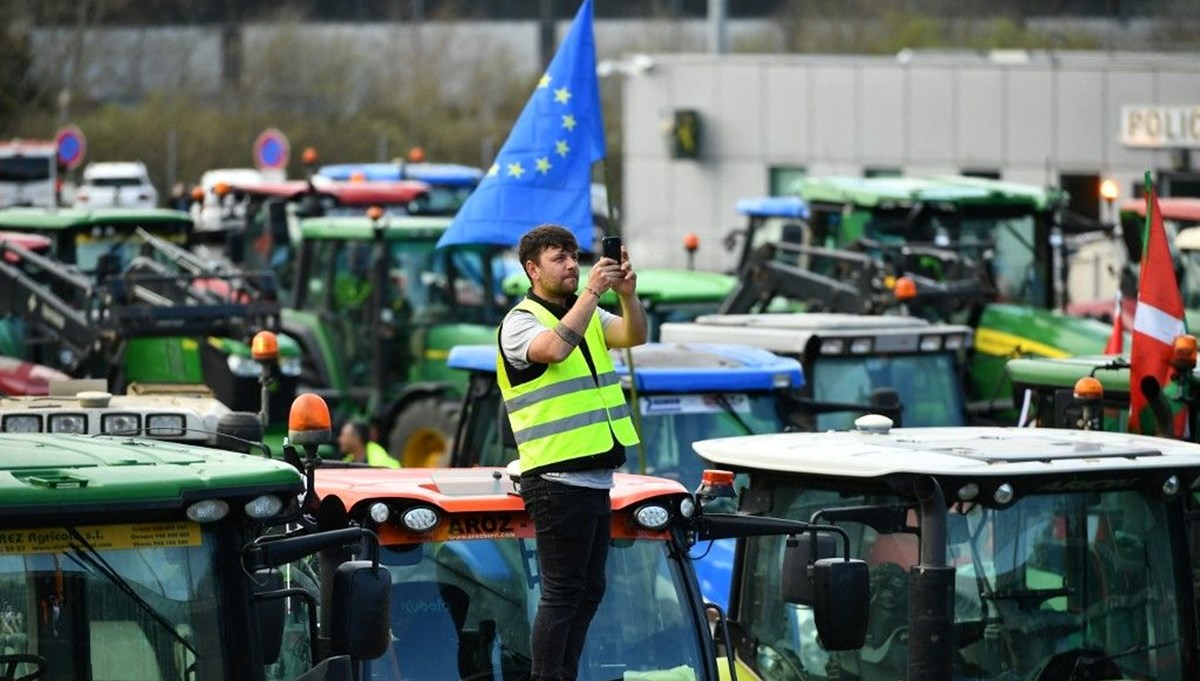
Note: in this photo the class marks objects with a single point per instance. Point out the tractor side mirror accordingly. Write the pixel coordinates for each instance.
(270, 613)
(361, 612)
(842, 597)
(799, 554)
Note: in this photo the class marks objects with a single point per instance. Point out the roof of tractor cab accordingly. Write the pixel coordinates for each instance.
(1173, 208)
(655, 286)
(955, 451)
(361, 228)
(67, 218)
(345, 193)
(790, 333)
(676, 367)
(46, 471)
(465, 490)
(200, 414)
(1064, 372)
(774, 207)
(903, 191)
(440, 174)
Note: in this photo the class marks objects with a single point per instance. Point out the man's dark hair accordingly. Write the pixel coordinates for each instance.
(362, 429)
(542, 237)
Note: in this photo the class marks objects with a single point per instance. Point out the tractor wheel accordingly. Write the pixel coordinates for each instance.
(421, 434)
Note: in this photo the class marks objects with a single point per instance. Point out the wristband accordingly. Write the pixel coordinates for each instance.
(592, 291)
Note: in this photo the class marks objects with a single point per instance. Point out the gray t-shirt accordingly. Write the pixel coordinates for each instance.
(520, 328)
(516, 333)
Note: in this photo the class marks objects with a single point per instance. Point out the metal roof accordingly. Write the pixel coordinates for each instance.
(65, 218)
(872, 191)
(774, 206)
(441, 174)
(675, 367)
(966, 451)
(46, 470)
(790, 333)
(360, 227)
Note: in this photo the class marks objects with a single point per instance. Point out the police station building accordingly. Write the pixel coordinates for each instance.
(702, 131)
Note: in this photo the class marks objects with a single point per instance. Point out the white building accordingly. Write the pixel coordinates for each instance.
(1062, 119)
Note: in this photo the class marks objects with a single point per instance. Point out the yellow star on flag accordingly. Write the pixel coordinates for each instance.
(543, 165)
(544, 82)
(562, 94)
(494, 170)
(569, 122)
(515, 170)
(561, 148)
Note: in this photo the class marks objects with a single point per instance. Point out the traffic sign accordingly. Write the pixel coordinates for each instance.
(271, 150)
(72, 146)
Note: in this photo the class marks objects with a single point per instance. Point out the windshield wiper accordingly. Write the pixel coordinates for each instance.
(1088, 659)
(92, 557)
(725, 405)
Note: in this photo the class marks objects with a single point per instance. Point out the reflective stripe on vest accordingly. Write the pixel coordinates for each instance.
(565, 413)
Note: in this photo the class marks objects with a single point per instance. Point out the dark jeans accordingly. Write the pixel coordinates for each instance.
(572, 527)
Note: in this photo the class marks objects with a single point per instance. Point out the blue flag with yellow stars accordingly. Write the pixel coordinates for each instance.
(543, 172)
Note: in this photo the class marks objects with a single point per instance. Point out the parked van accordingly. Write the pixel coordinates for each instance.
(28, 173)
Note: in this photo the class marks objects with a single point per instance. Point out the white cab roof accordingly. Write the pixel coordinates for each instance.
(789, 333)
(973, 452)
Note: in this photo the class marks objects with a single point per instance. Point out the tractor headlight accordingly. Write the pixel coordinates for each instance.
(123, 424)
(652, 516)
(22, 423)
(289, 366)
(931, 343)
(243, 367)
(265, 506)
(379, 512)
(68, 423)
(207, 511)
(420, 519)
(166, 425)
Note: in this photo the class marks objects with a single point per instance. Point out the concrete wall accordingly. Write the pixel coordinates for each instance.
(1030, 119)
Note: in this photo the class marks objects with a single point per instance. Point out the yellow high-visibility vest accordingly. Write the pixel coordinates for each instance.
(566, 413)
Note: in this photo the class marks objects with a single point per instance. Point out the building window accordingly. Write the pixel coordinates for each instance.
(985, 173)
(1084, 194)
(883, 171)
(785, 180)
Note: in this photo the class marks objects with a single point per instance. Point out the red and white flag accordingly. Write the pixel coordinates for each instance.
(1116, 341)
(1159, 315)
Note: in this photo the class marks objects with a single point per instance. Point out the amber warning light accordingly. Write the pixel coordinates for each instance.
(1183, 353)
(264, 347)
(1088, 389)
(309, 422)
(715, 484)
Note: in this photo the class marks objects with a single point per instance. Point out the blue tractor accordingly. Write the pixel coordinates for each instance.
(685, 392)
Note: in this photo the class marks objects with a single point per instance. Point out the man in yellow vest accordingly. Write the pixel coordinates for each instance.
(356, 445)
(571, 424)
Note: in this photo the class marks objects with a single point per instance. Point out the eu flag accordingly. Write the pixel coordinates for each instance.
(543, 172)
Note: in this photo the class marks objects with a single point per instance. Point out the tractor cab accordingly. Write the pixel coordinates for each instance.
(854, 364)
(377, 307)
(992, 553)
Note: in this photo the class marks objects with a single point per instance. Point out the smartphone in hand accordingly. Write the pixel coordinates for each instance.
(611, 248)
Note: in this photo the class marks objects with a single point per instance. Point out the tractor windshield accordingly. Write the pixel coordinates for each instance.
(1049, 584)
(463, 609)
(111, 602)
(670, 423)
(109, 249)
(1005, 237)
(928, 386)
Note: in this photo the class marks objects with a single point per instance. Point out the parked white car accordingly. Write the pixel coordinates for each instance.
(123, 184)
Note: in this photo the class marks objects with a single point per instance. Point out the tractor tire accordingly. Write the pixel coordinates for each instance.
(422, 433)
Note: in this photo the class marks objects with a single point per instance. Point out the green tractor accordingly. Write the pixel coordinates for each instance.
(115, 294)
(376, 308)
(1092, 392)
(979, 252)
(127, 558)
